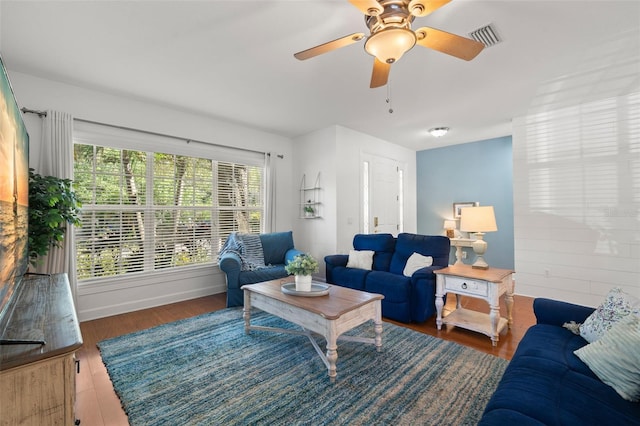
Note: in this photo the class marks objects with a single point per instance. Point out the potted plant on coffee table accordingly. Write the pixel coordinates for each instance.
(302, 266)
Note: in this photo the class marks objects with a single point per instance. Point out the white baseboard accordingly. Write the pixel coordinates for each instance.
(105, 298)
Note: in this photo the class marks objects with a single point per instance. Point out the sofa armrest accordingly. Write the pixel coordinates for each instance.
(333, 261)
(290, 254)
(336, 260)
(426, 272)
(230, 262)
(556, 312)
(231, 265)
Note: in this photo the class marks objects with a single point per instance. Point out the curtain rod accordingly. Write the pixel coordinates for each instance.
(33, 111)
(44, 114)
(187, 140)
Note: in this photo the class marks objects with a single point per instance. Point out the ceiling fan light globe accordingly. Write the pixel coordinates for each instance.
(390, 44)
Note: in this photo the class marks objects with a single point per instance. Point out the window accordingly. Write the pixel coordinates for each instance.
(148, 211)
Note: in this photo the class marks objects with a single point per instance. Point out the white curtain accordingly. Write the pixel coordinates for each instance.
(56, 159)
(269, 194)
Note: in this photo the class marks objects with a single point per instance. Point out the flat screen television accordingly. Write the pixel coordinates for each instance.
(14, 193)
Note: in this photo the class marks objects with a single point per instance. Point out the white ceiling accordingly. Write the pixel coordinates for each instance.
(234, 60)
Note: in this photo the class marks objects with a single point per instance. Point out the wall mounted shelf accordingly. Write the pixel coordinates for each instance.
(310, 204)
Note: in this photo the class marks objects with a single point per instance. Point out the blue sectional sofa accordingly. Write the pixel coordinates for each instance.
(547, 384)
(406, 298)
(277, 249)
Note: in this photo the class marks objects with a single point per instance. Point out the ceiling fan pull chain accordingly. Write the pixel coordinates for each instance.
(389, 97)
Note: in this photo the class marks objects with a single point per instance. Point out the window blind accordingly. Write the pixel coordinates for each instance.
(145, 210)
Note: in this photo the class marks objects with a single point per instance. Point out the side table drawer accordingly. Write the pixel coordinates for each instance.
(466, 285)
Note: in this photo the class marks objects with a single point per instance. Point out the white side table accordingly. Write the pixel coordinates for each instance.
(458, 243)
(487, 285)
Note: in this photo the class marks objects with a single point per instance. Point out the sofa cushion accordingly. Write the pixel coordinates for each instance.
(395, 288)
(556, 344)
(275, 245)
(264, 274)
(361, 259)
(615, 357)
(427, 245)
(383, 244)
(616, 306)
(416, 261)
(349, 277)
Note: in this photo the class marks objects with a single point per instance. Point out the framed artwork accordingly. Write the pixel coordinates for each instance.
(14, 193)
(458, 206)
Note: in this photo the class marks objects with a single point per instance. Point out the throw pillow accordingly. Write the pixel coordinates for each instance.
(361, 259)
(573, 327)
(615, 357)
(416, 261)
(616, 306)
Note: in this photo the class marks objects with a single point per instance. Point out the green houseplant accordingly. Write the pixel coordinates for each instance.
(52, 205)
(308, 209)
(302, 266)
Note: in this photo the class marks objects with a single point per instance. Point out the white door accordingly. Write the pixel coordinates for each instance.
(385, 198)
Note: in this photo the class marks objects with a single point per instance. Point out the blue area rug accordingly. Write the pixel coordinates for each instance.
(206, 371)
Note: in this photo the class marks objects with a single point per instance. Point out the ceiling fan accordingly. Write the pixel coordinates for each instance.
(389, 22)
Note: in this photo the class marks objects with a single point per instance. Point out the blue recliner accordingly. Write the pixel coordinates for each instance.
(278, 250)
(406, 299)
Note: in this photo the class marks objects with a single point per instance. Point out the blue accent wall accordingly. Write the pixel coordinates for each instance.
(477, 171)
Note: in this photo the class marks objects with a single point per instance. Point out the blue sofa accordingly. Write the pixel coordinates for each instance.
(547, 384)
(278, 250)
(406, 299)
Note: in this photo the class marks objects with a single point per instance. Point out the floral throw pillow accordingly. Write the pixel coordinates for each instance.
(616, 306)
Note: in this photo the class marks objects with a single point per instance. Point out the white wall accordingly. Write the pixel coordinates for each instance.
(315, 153)
(125, 294)
(337, 153)
(577, 201)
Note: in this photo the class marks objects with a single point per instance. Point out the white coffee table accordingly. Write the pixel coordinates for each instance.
(329, 316)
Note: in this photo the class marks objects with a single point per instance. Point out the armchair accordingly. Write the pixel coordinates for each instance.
(278, 250)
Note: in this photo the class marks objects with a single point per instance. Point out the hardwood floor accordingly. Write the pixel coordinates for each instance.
(98, 405)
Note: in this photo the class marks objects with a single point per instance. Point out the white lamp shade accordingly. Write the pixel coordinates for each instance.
(478, 219)
(449, 224)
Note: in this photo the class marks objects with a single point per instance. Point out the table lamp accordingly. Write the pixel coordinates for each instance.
(478, 220)
(450, 226)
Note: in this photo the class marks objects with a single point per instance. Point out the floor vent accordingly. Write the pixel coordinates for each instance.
(486, 35)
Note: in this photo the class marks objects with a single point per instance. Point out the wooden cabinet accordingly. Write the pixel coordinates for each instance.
(37, 382)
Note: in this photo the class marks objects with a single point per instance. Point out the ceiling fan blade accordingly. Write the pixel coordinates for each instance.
(368, 7)
(451, 44)
(329, 46)
(425, 7)
(380, 73)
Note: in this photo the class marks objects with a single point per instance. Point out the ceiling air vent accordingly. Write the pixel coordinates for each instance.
(486, 35)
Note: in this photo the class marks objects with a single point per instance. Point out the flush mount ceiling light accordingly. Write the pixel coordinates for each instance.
(438, 132)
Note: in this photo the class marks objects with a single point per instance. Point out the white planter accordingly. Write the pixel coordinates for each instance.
(303, 282)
